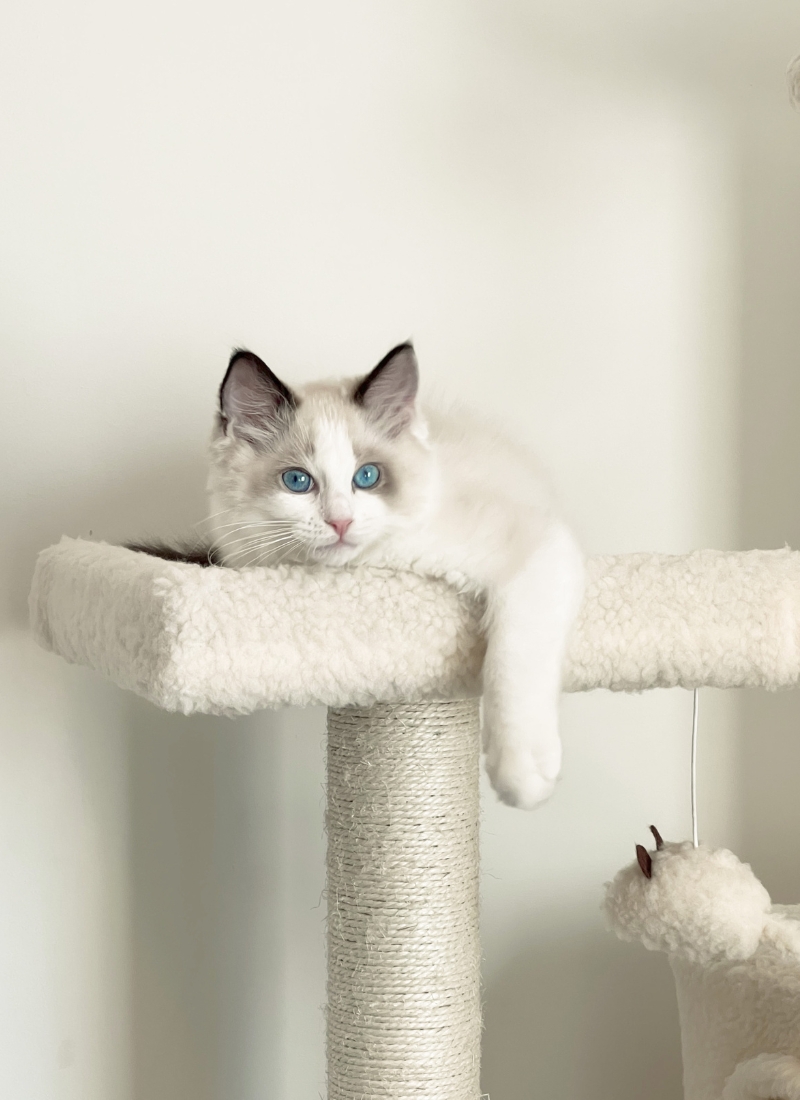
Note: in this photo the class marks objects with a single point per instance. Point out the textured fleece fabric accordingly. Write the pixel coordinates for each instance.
(736, 960)
(221, 641)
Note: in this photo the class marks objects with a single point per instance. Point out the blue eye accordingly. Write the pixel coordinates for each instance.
(366, 477)
(297, 481)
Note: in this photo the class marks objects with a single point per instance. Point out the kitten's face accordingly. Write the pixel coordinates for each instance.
(322, 474)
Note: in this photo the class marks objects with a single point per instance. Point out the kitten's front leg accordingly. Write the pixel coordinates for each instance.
(529, 620)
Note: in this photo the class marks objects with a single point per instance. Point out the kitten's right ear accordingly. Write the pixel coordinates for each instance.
(253, 402)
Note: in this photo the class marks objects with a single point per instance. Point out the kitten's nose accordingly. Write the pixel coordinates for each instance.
(339, 525)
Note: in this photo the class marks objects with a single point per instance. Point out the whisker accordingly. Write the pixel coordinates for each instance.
(221, 512)
(277, 548)
(266, 526)
(255, 523)
(208, 519)
(249, 532)
(254, 538)
(255, 543)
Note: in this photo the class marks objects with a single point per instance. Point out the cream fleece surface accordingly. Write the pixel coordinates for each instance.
(736, 960)
(222, 641)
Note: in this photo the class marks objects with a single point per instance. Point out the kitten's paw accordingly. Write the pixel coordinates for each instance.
(522, 779)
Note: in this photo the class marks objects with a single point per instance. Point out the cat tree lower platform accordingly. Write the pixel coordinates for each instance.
(397, 657)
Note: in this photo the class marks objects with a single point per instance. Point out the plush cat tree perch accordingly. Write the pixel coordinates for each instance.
(397, 657)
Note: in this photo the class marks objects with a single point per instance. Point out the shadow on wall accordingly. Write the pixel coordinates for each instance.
(206, 913)
(165, 500)
(613, 997)
(770, 470)
(204, 803)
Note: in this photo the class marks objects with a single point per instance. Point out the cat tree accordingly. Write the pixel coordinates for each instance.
(397, 657)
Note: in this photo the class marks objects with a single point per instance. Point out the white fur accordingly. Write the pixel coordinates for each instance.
(736, 960)
(529, 622)
(457, 497)
(466, 501)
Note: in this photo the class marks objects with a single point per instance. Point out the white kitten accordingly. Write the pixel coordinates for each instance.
(352, 471)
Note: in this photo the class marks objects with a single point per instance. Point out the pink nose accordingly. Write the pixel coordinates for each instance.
(339, 525)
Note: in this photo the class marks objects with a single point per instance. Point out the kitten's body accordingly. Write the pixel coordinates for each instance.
(454, 498)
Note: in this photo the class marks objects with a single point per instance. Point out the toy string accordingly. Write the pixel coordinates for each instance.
(695, 714)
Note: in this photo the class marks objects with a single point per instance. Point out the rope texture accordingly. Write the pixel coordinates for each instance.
(403, 1019)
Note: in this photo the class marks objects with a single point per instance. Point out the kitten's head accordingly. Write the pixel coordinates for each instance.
(321, 473)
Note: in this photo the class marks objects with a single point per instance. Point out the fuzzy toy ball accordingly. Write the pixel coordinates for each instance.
(736, 961)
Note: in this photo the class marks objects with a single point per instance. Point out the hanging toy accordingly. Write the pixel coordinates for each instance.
(736, 961)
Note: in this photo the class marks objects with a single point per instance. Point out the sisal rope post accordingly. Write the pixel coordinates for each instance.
(403, 1017)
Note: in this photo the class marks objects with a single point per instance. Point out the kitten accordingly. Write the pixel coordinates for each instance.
(338, 473)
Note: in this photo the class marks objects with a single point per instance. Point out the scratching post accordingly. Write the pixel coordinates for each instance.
(377, 646)
(403, 948)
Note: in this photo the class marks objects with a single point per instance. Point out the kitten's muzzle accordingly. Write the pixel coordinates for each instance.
(340, 526)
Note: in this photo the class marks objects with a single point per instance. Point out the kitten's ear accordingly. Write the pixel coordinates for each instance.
(388, 392)
(253, 402)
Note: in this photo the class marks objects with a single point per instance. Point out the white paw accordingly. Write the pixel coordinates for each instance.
(522, 779)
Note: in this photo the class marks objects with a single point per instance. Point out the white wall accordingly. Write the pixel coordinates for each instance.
(572, 208)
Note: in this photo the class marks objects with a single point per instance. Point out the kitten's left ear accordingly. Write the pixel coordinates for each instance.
(388, 392)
